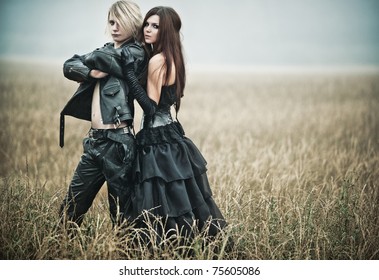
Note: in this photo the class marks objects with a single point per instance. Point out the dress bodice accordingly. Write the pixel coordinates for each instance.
(168, 97)
(162, 116)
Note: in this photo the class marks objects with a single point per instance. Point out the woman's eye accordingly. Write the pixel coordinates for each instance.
(111, 22)
(153, 25)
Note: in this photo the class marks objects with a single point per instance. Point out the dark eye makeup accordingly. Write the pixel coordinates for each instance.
(154, 25)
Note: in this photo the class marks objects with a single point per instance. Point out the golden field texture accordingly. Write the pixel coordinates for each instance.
(293, 161)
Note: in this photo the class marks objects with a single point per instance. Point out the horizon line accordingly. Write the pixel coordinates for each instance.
(219, 67)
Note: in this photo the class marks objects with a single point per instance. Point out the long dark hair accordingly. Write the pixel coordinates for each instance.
(169, 44)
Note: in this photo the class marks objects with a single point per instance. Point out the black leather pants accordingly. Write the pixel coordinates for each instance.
(103, 160)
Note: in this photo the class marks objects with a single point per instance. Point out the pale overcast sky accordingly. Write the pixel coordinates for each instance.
(215, 32)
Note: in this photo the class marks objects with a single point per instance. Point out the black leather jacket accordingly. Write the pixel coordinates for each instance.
(116, 101)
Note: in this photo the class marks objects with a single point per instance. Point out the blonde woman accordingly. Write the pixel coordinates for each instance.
(105, 101)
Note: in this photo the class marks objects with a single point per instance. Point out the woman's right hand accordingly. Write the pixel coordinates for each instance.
(97, 74)
(127, 61)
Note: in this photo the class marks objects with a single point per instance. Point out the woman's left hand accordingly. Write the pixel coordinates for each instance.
(127, 59)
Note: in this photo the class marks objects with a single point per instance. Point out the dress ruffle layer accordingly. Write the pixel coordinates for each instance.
(166, 153)
(171, 181)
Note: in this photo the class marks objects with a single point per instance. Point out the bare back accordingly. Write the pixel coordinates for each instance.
(157, 76)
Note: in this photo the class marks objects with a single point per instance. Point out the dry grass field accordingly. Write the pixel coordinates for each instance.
(293, 162)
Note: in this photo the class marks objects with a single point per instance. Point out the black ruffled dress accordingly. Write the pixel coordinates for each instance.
(171, 180)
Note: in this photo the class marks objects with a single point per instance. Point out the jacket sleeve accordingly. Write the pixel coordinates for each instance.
(148, 105)
(106, 59)
(75, 69)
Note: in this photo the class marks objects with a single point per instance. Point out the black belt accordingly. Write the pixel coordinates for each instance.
(95, 133)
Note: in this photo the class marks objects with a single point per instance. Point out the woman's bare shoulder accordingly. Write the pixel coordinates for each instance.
(157, 60)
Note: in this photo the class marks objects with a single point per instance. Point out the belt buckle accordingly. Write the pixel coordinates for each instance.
(93, 133)
(118, 122)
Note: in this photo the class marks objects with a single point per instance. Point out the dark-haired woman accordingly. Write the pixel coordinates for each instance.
(172, 192)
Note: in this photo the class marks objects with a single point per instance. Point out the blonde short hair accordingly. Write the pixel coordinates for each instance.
(129, 16)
